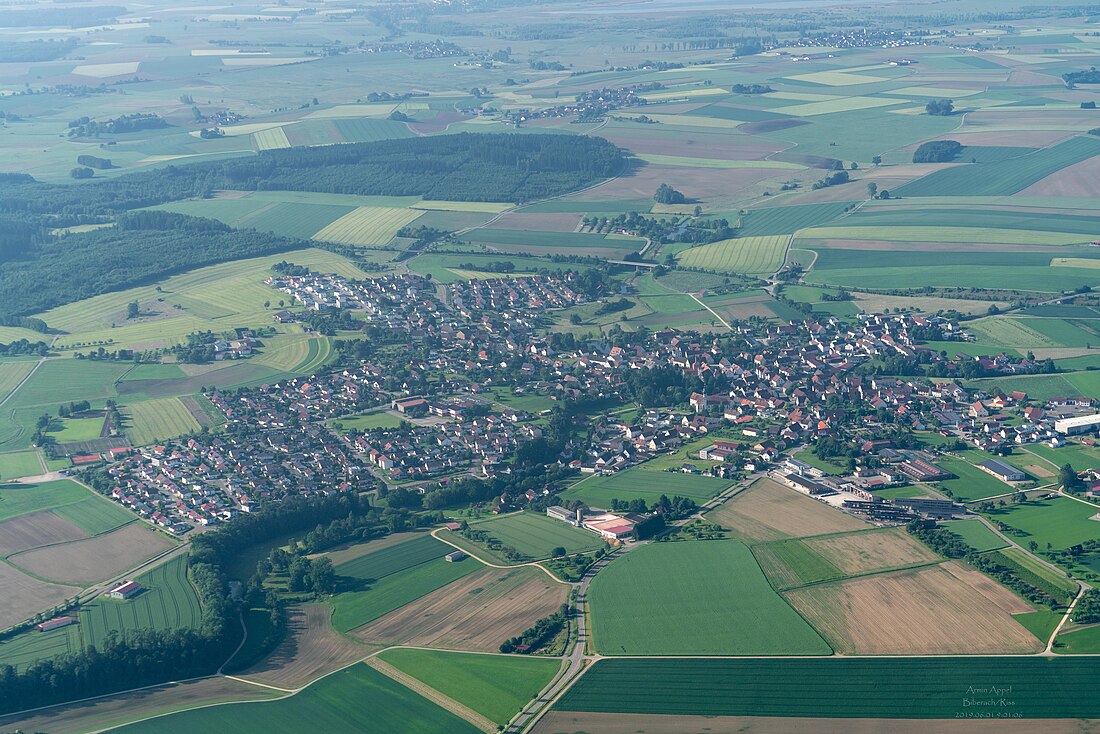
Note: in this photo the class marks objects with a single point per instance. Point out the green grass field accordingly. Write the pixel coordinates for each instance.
(637, 483)
(788, 219)
(972, 483)
(976, 534)
(1062, 522)
(1002, 178)
(355, 700)
(366, 421)
(1080, 457)
(934, 688)
(535, 535)
(158, 420)
(16, 464)
(19, 499)
(95, 514)
(393, 559)
(367, 226)
(167, 602)
(495, 686)
(1080, 642)
(790, 563)
(699, 598)
(753, 255)
(353, 609)
(76, 429)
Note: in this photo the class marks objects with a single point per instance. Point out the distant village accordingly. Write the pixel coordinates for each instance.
(765, 392)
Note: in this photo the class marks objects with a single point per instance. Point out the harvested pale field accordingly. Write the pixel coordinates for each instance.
(1006, 138)
(569, 722)
(1036, 470)
(103, 71)
(699, 144)
(367, 226)
(24, 596)
(556, 222)
(924, 246)
(927, 611)
(854, 191)
(987, 587)
(477, 612)
(869, 551)
(311, 649)
(697, 184)
(95, 559)
(112, 711)
(358, 550)
(769, 511)
(1079, 179)
(38, 528)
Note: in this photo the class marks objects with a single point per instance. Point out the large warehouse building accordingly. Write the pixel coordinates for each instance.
(1078, 424)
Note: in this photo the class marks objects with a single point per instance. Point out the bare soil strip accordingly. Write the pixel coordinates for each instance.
(433, 695)
(94, 559)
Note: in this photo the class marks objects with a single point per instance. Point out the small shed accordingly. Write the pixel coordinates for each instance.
(455, 556)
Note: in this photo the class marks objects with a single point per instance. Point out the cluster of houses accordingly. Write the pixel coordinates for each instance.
(537, 292)
(590, 104)
(398, 302)
(210, 479)
(481, 445)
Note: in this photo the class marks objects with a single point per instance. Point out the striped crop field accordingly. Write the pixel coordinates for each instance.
(270, 139)
(367, 226)
(979, 235)
(740, 255)
(159, 420)
(901, 688)
(484, 207)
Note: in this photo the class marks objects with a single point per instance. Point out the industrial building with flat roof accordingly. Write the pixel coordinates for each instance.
(1077, 424)
(1001, 470)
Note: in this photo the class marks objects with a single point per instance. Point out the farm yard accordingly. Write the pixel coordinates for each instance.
(729, 610)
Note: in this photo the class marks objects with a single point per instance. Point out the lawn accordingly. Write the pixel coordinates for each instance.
(366, 422)
(976, 534)
(933, 688)
(754, 255)
(355, 700)
(16, 464)
(637, 483)
(359, 602)
(76, 429)
(1062, 522)
(699, 598)
(535, 535)
(495, 686)
(1005, 177)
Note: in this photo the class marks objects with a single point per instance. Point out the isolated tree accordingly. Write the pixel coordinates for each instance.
(133, 310)
(872, 189)
(940, 107)
(876, 160)
(322, 577)
(1068, 478)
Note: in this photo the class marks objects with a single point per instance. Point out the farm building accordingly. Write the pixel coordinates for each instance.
(454, 556)
(937, 509)
(1077, 424)
(612, 527)
(807, 486)
(560, 513)
(124, 591)
(1001, 470)
(55, 623)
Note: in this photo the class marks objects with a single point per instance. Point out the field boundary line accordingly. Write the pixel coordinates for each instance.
(423, 689)
(288, 691)
(536, 564)
(1065, 618)
(712, 311)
